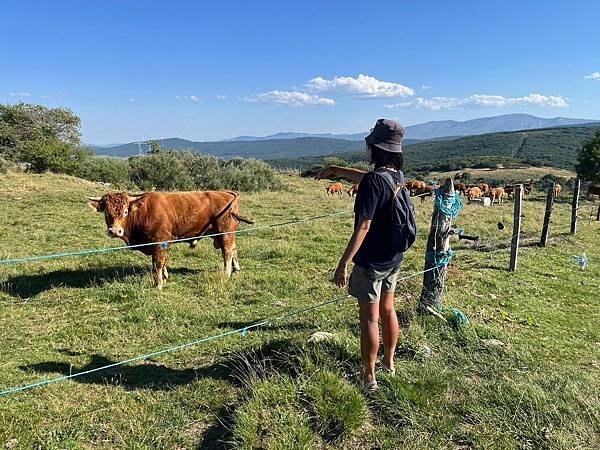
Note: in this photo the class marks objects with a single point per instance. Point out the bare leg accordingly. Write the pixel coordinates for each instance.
(159, 257)
(369, 338)
(389, 325)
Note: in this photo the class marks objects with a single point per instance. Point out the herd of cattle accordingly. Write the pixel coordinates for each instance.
(152, 220)
(470, 191)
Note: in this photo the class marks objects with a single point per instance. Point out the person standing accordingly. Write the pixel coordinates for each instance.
(383, 229)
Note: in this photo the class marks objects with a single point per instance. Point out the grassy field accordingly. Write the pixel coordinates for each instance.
(509, 175)
(524, 374)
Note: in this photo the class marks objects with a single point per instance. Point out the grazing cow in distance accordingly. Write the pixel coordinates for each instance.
(593, 190)
(557, 189)
(527, 188)
(156, 217)
(424, 192)
(353, 190)
(473, 193)
(497, 193)
(484, 188)
(335, 188)
(460, 187)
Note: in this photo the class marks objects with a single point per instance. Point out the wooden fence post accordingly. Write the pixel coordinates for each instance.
(438, 243)
(598, 213)
(575, 206)
(514, 245)
(547, 216)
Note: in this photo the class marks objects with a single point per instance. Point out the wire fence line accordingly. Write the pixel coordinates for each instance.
(167, 242)
(242, 331)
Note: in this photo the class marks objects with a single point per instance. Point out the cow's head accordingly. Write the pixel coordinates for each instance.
(117, 208)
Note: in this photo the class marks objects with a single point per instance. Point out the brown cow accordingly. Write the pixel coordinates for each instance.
(474, 192)
(353, 190)
(157, 217)
(335, 188)
(424, 192)
(484, 188)
(557, 189)
(499, 194)
(413, 185)
(460, 187)
(593, 190)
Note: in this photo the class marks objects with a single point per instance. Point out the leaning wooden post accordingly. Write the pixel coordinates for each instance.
(438, 244)
(575, 206)
(547, 216)
(598, 213)
(514, 246)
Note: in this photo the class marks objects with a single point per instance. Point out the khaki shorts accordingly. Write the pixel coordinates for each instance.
(368, 284)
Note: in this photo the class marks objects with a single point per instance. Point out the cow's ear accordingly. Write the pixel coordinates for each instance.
(95, 204)
(134, 202)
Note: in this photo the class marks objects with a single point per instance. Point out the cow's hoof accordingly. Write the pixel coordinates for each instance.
(194, 243)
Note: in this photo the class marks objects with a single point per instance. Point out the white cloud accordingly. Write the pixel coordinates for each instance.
(221, 97)
(291, 98)
(361, 86)
(19, 94)
(482, 101)
(132, 99)
(593, 76)
(425, 87)
(189, 98)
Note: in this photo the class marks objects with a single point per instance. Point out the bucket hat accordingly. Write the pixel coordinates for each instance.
(387, 134)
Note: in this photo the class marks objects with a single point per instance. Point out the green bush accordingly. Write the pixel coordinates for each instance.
(6, 165)
(53, 155)
(339, 410)
(248, 175)
(106, 170)
(161, 171)
(205, 171)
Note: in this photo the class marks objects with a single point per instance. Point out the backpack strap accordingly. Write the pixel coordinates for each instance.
(391, 183)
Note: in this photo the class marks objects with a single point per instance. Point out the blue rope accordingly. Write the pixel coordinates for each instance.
(244, 331)
(448, 205)
(163, 244)
(439, 258)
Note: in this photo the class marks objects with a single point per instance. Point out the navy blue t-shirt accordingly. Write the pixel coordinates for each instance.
(373, 201)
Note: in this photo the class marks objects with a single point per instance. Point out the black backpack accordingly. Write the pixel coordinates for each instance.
(402, 231)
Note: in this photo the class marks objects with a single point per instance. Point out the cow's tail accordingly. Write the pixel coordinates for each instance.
(241, 218)
(234, 209)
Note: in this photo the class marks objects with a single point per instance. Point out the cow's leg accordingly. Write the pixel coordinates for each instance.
(228, 250)
(165, 273)
(236, 263)
(159, 258)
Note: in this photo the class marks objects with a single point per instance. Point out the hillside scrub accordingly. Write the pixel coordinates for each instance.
(105, 170)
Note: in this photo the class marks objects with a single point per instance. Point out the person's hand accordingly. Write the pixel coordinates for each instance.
(340, 278)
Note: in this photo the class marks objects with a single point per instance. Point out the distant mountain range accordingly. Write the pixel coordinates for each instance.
(294, 145)
(443, 128)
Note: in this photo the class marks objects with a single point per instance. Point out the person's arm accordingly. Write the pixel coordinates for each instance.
(341, 273)
(348, 173)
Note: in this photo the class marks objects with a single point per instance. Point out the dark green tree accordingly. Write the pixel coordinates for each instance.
(154, 147)
(47, 138)
(588, 160)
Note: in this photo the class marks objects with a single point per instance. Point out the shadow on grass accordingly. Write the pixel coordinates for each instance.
(148, 375)
(25, 286)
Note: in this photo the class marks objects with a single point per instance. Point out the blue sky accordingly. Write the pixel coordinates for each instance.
(213, 70)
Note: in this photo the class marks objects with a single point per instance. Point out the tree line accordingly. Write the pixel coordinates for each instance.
(41, 139)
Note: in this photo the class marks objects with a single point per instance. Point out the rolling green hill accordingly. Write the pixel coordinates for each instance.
(556, 147)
